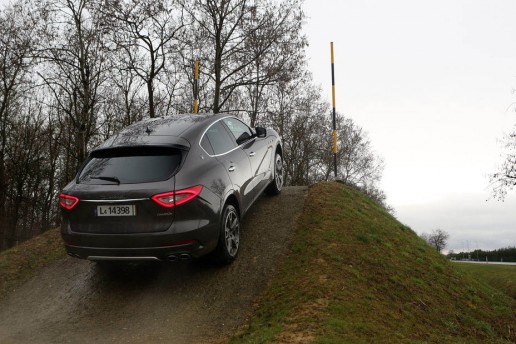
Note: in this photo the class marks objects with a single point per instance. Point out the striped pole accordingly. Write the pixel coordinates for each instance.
(334, 119)
(196, 86)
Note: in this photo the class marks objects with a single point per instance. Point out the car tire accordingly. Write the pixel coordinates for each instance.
(276, 185)
(229, 236)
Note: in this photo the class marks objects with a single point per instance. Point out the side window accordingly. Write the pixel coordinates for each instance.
(238, 129)
(205, 143)
(219, 138)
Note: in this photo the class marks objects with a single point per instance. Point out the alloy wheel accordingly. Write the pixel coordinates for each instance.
(278, 175)
(232, 232)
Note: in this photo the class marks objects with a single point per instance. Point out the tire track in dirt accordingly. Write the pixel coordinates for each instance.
(75, 301)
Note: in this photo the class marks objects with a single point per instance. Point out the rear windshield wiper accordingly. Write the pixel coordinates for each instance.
(109, 179)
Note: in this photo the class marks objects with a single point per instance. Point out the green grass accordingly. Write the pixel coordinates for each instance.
(357, 275)
(502, 277)
(20, 263)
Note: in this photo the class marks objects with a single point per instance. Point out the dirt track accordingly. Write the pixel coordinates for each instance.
(74, 301)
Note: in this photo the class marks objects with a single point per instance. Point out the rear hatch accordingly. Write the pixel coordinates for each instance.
(115, 187)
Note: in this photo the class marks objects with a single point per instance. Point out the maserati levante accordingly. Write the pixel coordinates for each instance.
(170, 188)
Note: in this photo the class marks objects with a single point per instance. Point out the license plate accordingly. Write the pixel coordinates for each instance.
(116, 210)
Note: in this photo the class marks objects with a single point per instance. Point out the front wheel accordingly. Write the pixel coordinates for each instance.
(229, 237)
(276, 185)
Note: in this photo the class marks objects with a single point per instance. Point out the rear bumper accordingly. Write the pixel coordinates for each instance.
(180, 241)
(145, 253)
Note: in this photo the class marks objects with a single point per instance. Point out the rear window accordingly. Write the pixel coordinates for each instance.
(130, 165)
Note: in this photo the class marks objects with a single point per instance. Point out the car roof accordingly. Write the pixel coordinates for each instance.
(176, 130)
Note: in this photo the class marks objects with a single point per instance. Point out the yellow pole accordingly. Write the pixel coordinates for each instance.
(334, 119)
(196, 86)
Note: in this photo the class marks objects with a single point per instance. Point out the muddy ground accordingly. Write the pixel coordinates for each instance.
(76, 301)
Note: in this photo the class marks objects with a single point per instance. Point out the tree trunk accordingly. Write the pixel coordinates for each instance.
(150, 90)
(218, 72)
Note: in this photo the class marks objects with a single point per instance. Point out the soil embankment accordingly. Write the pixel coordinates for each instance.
(75, 301)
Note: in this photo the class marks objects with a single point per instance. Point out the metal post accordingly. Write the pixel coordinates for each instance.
(334, 119)
(196, 86)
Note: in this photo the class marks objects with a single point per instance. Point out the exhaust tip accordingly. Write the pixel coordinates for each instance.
(173, 258)
(184, 256)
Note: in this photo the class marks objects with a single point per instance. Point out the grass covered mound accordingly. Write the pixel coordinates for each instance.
(21, 262)
(357, 275)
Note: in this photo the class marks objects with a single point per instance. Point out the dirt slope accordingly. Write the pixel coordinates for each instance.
(74, 301)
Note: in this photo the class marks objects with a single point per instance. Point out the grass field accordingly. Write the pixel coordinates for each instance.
(502, 277)
(20, 263)
(357, 275)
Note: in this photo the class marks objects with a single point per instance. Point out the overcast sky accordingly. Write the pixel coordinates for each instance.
(432, 83)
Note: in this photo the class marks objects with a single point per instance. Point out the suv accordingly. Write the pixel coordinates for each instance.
(170, 188)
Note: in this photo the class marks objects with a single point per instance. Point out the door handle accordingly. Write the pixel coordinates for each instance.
(231, 168)
(252, 154)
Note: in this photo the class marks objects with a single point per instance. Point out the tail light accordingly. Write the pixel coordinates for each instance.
(68, 202)
(173, 198)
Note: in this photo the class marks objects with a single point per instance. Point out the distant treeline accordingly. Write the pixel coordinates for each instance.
(507, 254)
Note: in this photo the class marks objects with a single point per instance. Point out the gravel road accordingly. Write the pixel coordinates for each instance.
(75, 301)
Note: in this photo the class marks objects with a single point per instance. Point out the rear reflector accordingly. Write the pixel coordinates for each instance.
(67, 201)
(173, 198)
(177, 243)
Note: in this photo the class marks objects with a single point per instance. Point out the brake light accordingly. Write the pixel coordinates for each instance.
(170, 199)
(68, 202)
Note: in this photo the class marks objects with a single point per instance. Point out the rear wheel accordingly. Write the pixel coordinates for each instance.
(229, 237)
(276, 185)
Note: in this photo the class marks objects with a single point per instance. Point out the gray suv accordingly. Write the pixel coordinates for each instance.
(170, 188)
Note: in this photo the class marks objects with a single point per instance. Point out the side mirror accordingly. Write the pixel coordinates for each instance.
(242, 138)
(260, 132)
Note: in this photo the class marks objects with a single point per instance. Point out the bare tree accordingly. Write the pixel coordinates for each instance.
(149, 32)
(357, 163)
(18, 38)
(505, 179)
(295, 109)
(217, 37)
(276, 45)
(438, 239)
(73, 66)
(243, 43)
(124, 95)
